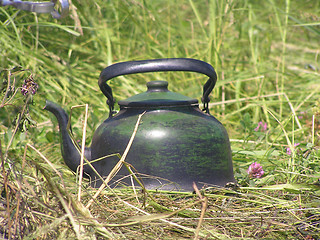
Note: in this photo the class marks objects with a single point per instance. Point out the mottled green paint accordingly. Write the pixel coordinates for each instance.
(157, 94)
(190, 144)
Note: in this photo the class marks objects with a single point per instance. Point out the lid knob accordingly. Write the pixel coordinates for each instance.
(157, 86)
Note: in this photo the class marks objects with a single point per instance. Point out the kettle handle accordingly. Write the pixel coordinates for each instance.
(158, 65)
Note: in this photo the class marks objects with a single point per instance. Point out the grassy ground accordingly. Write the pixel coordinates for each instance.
(266, 54)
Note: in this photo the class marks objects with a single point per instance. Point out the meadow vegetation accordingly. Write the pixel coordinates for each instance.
(267, 57)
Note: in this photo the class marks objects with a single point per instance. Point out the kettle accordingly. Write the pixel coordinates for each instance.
(176, 143)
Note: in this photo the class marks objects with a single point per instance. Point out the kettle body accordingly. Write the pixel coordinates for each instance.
(176, 142)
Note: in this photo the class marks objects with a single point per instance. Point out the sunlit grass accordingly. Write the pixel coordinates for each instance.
(266, 55)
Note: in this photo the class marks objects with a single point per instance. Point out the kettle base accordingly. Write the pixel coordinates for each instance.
(159, 184)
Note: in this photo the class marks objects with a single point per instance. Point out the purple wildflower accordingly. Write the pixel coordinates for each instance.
(29, 86)
(263, 126)
(255, 170)
(302, 114)
(289, 152)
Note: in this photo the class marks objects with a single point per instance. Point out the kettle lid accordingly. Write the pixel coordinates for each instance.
(157, 95)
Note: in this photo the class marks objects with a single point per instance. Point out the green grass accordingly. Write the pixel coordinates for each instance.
(266, 55)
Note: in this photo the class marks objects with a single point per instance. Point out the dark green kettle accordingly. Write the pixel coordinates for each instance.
(176, 143)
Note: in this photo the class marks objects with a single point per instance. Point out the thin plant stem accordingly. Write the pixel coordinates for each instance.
(83, 143)
(29, 98)
(119, 164)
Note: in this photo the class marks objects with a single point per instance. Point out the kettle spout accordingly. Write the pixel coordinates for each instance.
(70, 153)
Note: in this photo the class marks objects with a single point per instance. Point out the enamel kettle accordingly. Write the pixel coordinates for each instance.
(176, 143)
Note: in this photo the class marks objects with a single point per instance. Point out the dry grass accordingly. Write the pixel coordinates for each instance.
(267, 57)
(37, 202)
